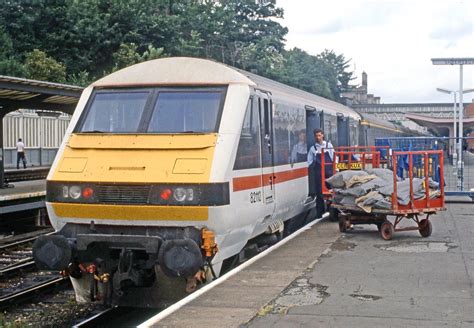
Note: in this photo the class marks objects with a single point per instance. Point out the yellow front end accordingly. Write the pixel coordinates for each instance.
(133, 159)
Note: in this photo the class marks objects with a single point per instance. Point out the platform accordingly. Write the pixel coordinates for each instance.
(323, 278)
(30, 173)
(25, 195)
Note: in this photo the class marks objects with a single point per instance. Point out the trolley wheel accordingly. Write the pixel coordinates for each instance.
(333, 214)
(425, 228)
(387, 230)
(379, 225)
(343, 223)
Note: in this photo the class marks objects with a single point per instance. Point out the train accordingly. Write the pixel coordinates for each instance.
(173, 170)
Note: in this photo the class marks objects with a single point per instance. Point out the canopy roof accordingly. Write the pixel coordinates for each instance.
(16, 93)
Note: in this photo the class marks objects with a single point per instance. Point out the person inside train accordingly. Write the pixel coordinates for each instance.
(315, 167)
(300, 149)
(20, 154)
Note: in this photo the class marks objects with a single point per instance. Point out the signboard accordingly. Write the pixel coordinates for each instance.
(452, 61)
(345, 166)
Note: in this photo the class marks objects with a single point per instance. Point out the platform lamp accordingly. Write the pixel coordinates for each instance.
(461, 62)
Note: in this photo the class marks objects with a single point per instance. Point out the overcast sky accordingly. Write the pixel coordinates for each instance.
(391, 40)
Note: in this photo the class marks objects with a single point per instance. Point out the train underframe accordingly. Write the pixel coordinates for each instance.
(139, 266)
(117, 264)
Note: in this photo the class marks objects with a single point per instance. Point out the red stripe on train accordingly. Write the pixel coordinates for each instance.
(255, 181)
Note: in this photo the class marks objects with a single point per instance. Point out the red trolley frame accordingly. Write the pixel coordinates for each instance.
(349, 215)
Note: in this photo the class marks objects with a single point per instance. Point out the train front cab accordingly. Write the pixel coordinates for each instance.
(131, 187)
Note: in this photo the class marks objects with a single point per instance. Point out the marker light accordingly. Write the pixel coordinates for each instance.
(75, 192)
(87, 192)
(190, 195)
(65, 192)
(166, 194)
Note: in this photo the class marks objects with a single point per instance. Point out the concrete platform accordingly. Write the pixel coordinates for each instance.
(28, 169)
(25, 195)
(326, 279)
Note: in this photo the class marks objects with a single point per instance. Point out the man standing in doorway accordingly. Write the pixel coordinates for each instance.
(315, 167)
(20, 154)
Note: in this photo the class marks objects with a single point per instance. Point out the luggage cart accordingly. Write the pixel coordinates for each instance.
(417, 210)
(350, 158)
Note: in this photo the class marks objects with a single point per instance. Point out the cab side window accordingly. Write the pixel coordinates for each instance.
(248, 152)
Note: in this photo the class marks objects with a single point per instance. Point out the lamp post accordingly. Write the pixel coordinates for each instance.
(456, 140)
(454, 124)
(461, 62)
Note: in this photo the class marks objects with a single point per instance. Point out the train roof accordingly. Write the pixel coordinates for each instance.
(306, 98)
(185, 70)
(375, 121)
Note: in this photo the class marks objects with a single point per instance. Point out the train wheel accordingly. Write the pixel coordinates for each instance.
(425, 228)
(387, 230)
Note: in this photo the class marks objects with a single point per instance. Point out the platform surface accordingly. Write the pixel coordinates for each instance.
(28, 168)
(359, 281)
(24, 189)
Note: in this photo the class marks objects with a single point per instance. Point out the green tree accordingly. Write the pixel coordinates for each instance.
(82, 79)
(152, 53)
(126, 55)
(307, 72)
(95, 37)
(9, 65)
(191, 45)
(340, 65)
(40, 66)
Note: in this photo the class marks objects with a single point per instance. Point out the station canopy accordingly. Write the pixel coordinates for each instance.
(17, 93)
(47, 97)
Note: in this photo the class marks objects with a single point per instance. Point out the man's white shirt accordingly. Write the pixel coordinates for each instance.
(20, 147)
(316, 149)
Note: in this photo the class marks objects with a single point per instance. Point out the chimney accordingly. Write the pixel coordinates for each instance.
(364, 80)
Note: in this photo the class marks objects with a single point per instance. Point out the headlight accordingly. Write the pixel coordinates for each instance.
(75, 192)
(179, 194)
(183, 194)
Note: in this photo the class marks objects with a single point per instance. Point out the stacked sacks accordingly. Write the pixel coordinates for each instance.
(373, 188)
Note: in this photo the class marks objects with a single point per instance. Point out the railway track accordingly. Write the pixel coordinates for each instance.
(19, 290)
(19, 280)
(117, 317)
(16, 255)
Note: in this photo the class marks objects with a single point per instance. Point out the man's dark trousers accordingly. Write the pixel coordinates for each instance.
(20, 156)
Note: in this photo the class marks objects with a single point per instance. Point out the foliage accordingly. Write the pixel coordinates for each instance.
(40, 66)
(127, 55)
(82, 79)
(340, 65)
(92, 38)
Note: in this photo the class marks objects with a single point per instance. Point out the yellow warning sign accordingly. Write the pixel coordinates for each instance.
(345, 166)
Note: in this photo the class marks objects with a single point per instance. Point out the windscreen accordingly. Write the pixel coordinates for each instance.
(177, 112)
(158, 110)
(115, 112)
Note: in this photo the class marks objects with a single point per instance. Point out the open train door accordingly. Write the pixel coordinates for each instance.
(313, 121)
(342, 130)
(265, 108)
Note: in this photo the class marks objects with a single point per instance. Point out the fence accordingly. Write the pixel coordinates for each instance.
(42, 136)
(458, 170)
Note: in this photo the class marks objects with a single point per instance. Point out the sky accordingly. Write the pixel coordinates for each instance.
(393, 41)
